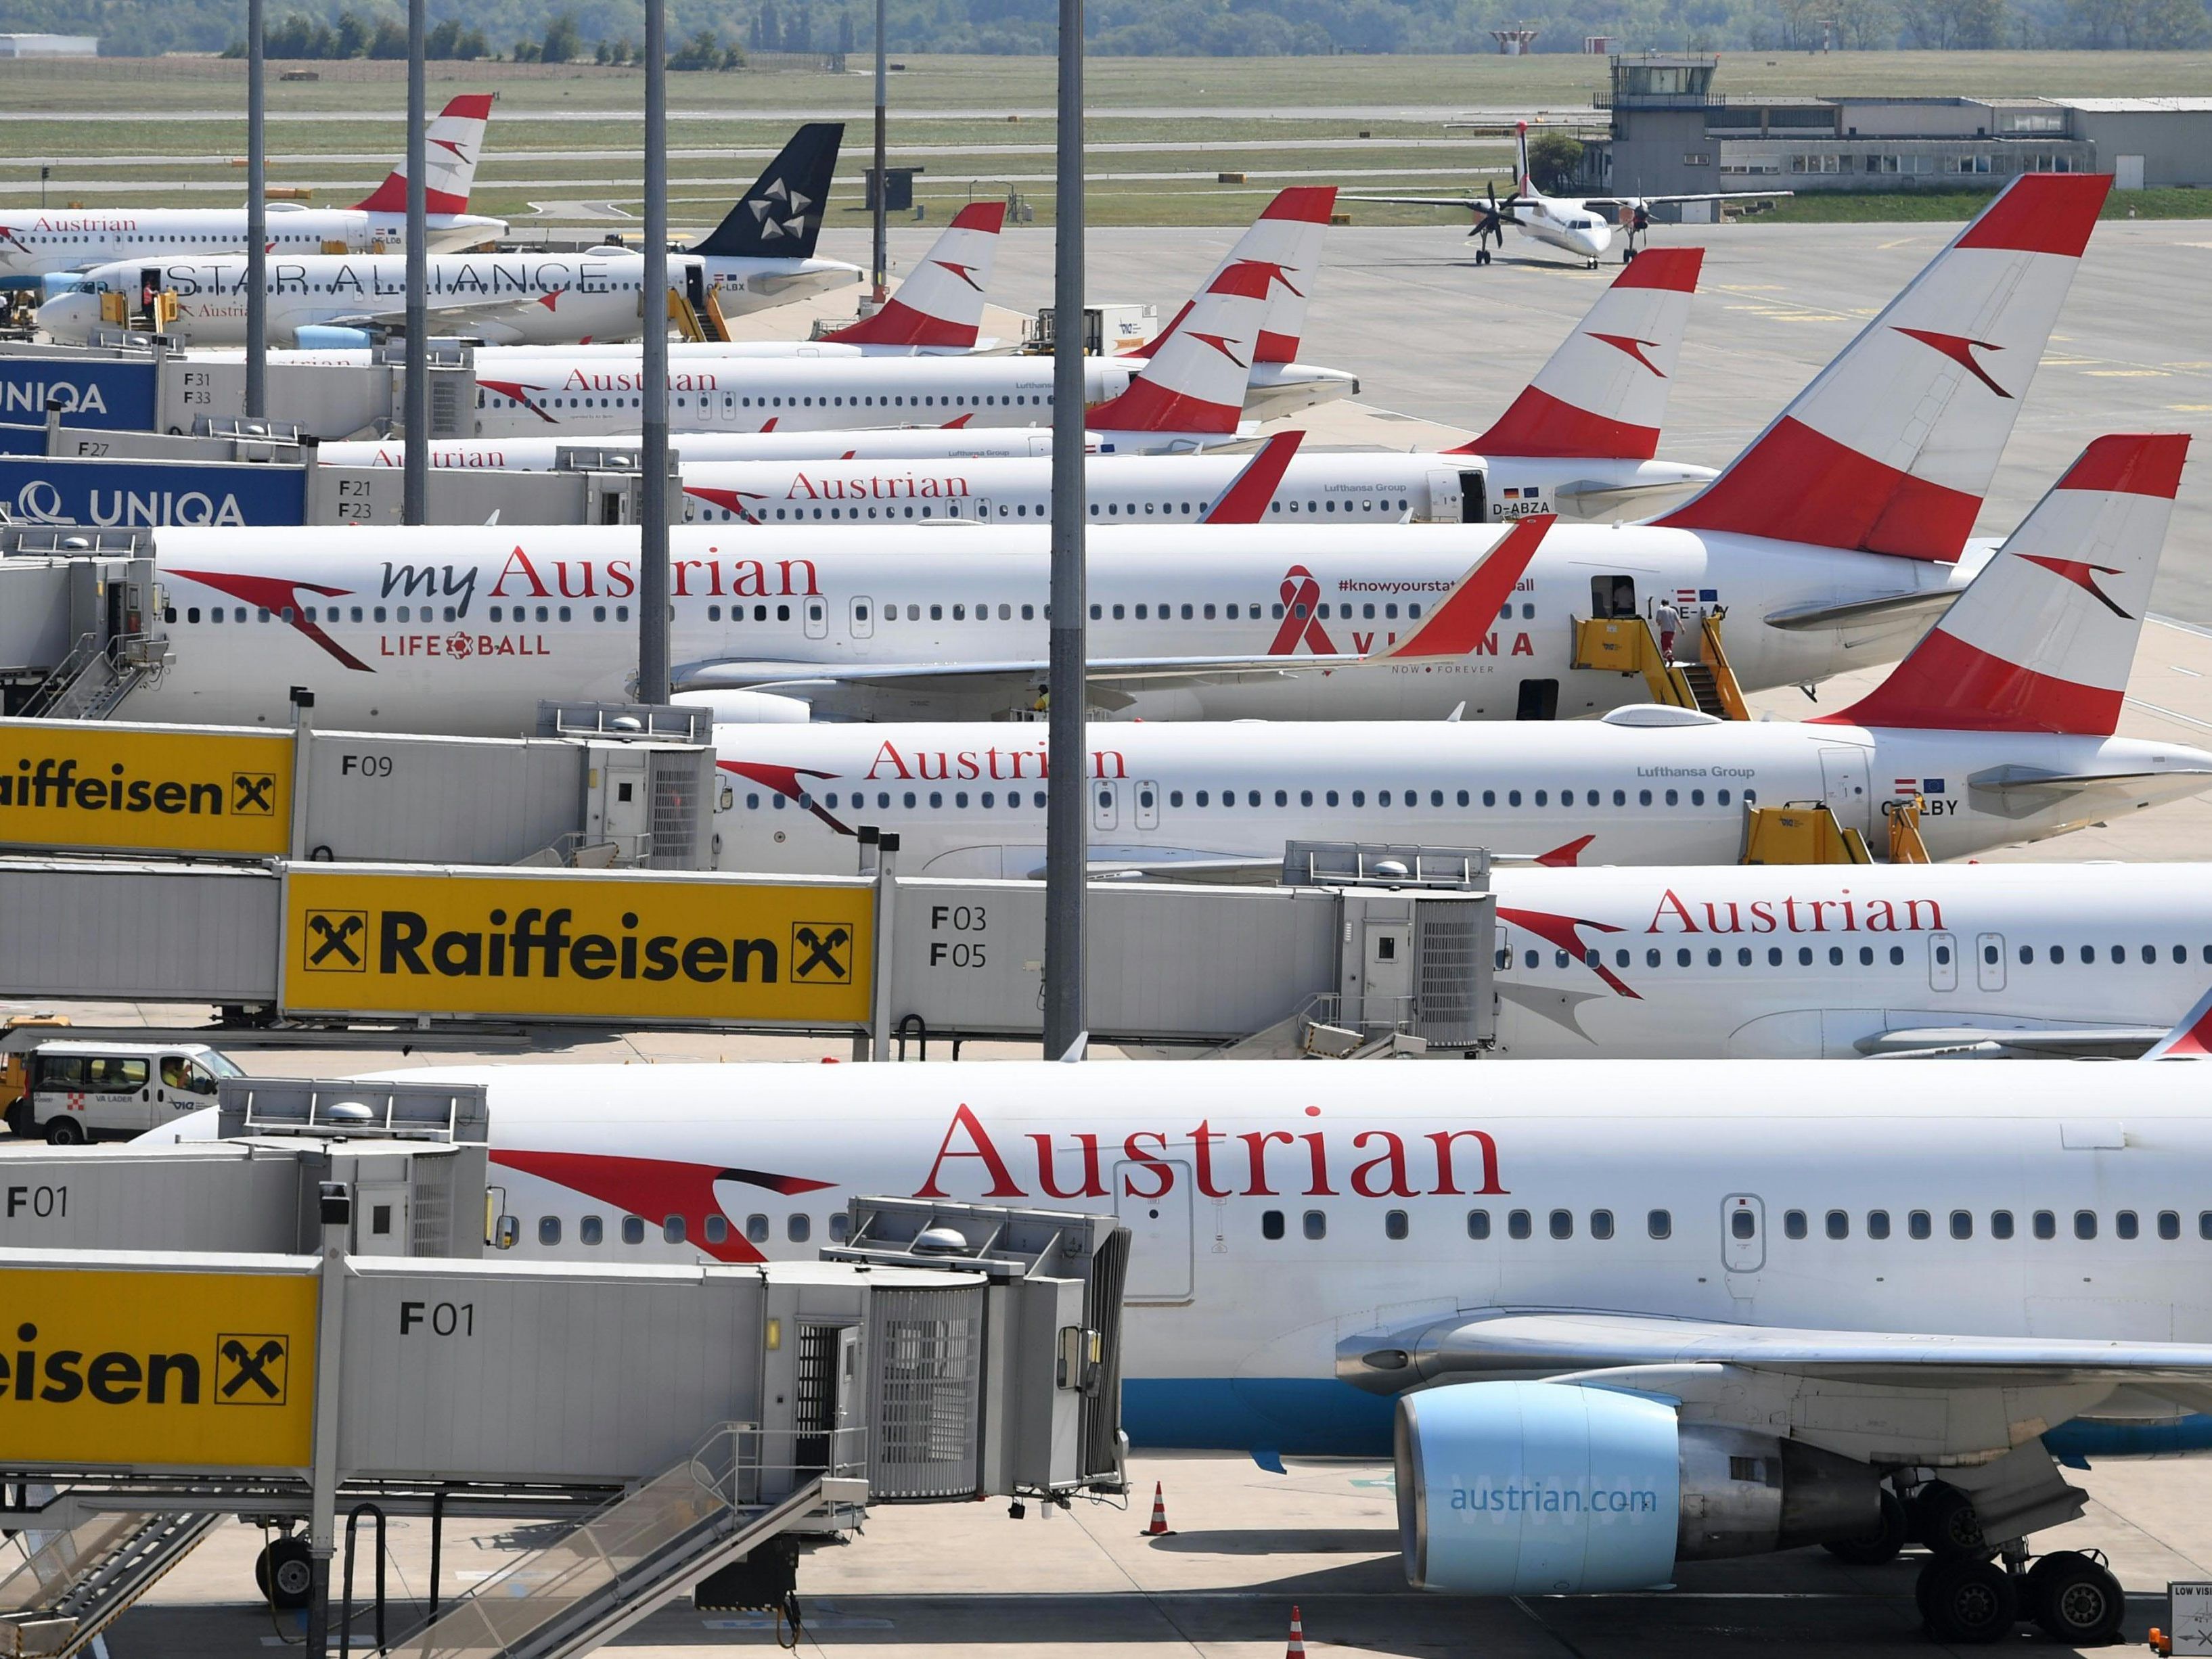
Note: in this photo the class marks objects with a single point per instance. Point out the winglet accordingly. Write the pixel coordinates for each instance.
(2189, 1040)
(1462, 622)
(1245, 501)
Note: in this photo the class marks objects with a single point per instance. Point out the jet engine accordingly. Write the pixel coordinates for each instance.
(331, 336)
(749, 707)
(1544, 1488)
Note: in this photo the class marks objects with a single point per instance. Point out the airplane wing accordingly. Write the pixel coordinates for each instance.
(501, 321)
(1695, 196)
(2047, 1043)
(1465, 204)
(1566, 1343)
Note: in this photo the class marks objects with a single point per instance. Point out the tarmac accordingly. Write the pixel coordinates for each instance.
(1441, 346)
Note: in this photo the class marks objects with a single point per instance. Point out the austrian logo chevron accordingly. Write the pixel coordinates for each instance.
(2083, 576)
(965, 273)
(1961, 351)
(1633, 347)
(660, 1188)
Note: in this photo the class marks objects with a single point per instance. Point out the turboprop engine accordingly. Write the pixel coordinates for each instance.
(1547, 1488)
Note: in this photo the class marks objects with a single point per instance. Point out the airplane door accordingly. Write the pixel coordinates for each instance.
(1446, 500)
(982, 508)
(818, 618)
(1988, 961)
(1743, 1233)
(1105, 805)
(1159, 1229)
(863, 618)
(1613, 595)
(695, 286)
(1844, 777)
(1943, 961)
(1388, 978)
(1148, 805)
(1474, 498)
(1538, 701)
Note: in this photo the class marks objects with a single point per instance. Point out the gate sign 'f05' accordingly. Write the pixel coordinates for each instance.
(139, 789)
(635, 947)
(156, 1366)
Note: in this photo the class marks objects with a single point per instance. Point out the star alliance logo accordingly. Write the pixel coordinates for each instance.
(779, 211)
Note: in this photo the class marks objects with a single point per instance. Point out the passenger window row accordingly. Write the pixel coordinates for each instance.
(2087, 955)
(1519, 1224)
(591, 1230)
(192, 614)
(1276, 613)
(857, 799)
(1959, 1224)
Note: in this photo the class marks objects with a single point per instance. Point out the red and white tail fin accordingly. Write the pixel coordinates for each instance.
(1287, 237)
(1467, 618)
(2189, 1040)
(1892, 447)
(1196, 382)
(2043, 638)
(1603, 393)
(455, 142)
(941, 301)
(1245, 501)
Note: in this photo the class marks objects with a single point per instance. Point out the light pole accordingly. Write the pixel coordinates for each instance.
(414, 487)
(1066, 839)
(653, 453)
(257, 219)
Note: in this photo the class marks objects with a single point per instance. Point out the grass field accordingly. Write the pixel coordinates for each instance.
(172, 129)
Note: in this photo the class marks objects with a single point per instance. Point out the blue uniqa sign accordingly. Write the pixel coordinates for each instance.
(91, 391)
(137, 495)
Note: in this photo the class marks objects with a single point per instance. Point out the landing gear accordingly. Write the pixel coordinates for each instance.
(1482, 256)
(2075, 1599)
(285, 1571)
(1883, 1544)
(1943, 1520)
(1628, 256)
(1968, 1602)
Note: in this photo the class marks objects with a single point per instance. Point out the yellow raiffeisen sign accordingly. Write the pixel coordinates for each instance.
(149, 1367)
(123, 788)
(625, 947)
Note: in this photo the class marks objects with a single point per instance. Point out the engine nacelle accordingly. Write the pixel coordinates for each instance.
(749, 707)
(1545, 1488)
(331, 336)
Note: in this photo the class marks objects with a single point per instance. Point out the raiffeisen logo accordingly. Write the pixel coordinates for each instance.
(538, 943)
(53, 786)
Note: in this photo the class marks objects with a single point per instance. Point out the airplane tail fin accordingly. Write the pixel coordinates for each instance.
(1467, 616)
(781, 216)
(1603, 393)
(1526, 184)
(1893, 445)
(1196, 382)
(2189, 1040)
(1245, 501)
(455, 142)
(1287, 237)
(2043, 639)
(941, 302)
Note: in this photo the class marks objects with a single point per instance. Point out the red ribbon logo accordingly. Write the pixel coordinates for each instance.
(1301, 617)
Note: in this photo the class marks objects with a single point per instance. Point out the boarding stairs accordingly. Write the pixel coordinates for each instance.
(1703, 681)
(96, 676)
(645, 1549)
(74, 1583)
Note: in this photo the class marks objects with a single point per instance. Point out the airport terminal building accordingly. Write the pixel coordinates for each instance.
(1671, 134)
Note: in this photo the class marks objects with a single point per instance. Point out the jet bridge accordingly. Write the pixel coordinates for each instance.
(686, 1419)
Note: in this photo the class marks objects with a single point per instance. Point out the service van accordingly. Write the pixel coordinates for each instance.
(72, 1091)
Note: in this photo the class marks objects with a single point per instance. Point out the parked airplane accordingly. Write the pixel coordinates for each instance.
(36, 241)
(1797, 962)
(761, 255)
(1579, 439)
(1573, 224)
(716, 387)
(2003, 717)
(1603, 1329)
(938, 307)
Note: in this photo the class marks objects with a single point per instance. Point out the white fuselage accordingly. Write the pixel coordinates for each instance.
(529, 454)
(34, 242)
(1279, 1210)
(1571, 226)
(1369, 487)
(529, 390)
(1802, 962)
(969, 800)
(509, 298)
(465, 628)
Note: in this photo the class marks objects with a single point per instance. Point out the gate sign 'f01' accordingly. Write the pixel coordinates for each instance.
(130, 789)
(157, 1366)
(634, 947)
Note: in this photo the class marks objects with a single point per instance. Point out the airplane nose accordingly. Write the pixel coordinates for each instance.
(70, 317)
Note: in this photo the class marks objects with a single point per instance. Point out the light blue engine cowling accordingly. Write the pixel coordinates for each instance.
(1546, 1488)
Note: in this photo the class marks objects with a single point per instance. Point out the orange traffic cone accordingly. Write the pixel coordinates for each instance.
(1297, 1648)
(1159, 1528)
